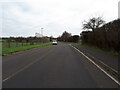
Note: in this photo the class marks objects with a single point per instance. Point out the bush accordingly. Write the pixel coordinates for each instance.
(106, 37)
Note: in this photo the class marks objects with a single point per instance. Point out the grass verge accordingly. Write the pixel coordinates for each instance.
(112, 53)
(6, 50)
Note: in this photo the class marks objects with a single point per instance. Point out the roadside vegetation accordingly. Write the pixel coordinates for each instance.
(112, 53)
(97, 35)
(13, 48)
(0, 49)
(105, 37)
(15, 44)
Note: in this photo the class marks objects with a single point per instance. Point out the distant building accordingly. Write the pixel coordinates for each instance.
(38, 35)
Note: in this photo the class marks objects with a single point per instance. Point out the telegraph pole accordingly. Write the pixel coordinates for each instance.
(42, 31)
(42, 34)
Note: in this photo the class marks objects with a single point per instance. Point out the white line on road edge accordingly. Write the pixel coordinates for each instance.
(97, 65)
(102, 63)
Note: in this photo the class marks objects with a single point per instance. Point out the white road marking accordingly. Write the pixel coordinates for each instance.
(27, 66)
(102, 63)
(97, 65)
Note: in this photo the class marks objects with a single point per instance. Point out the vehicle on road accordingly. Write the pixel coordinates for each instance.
(54, 42)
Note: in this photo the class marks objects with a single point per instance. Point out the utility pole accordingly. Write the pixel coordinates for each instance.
(42, 34)
(42, 31)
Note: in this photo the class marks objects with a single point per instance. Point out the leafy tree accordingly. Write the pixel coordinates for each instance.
(75, 38)
(65, 36)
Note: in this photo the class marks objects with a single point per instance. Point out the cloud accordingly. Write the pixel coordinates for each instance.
(26, 17)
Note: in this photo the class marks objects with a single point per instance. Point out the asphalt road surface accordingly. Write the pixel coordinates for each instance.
(54, 66)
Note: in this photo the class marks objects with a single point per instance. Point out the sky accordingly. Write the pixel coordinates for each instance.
(27, 17)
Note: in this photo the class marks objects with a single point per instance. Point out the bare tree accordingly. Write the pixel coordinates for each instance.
(93, 23)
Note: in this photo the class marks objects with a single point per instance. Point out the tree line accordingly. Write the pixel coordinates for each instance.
(97, 33)
(67, 37)
(25, 40)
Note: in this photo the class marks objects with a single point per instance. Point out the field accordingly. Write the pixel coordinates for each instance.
(0, 48)
(6, 49)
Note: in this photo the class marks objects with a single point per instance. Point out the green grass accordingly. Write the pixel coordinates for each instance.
(74, 43)
(112, 53)
(3, 40)
(109, 52)
(0, 48)
(13, 48)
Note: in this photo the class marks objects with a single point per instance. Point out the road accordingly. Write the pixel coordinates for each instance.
(54, 66)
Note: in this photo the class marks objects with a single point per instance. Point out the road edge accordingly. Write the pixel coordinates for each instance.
(105, 72)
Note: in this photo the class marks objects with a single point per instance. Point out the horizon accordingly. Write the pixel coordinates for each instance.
(27, 17)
